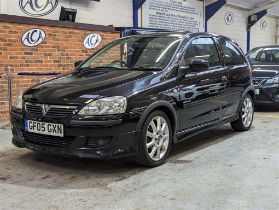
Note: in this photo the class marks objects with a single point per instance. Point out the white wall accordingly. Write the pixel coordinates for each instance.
(105, 12)
(238, 30)
(235, 31)
(268, 36)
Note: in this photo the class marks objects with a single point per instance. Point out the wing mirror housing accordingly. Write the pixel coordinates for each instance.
(76, 64)
(199, 65)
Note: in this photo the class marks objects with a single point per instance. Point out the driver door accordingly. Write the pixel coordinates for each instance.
(201, 92)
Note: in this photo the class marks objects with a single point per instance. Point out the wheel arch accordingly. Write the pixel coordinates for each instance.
(165, 107)
(249, 91)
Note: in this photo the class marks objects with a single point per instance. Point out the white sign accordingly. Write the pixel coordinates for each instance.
(177, 15)
(92, 41)
(33, 37)
(37, 8)
(263, 24)
(229, 18)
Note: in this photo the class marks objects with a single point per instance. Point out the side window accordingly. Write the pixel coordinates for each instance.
(202, 48)
(262, 57)
(232, 54)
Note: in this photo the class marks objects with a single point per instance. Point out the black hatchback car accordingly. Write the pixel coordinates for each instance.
(137, 96)
(265, 70)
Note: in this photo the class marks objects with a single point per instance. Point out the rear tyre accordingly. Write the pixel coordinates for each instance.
(155, 140)
(246, 115)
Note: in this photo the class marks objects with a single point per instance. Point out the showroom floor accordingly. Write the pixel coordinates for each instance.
(220, 169)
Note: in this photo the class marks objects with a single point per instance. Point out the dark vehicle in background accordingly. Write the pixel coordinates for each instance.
(136, 97)
(265, 70)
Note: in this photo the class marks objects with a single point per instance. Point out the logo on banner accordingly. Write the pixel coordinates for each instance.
(263, 24)
(33, 37)
(37, 8)
(229, 18)
(92, 41)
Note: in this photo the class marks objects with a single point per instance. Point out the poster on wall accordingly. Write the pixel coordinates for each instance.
(177, 15)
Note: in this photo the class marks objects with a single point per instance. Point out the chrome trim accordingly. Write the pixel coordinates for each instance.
(47, 107)
(53, 106)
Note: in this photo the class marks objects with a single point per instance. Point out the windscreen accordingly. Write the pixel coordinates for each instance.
(145, 53)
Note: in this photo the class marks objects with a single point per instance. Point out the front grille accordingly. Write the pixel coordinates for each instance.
(91, 143)
(264, 73)
(50, 141)
(33, 109)
(257, 81)
(262, 97)
(56, 111)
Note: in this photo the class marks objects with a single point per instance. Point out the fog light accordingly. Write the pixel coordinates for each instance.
(103, 141)
(97, 142)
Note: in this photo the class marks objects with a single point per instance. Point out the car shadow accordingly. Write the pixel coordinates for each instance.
(22, 167)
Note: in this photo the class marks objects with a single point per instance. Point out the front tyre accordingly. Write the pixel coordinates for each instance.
(246, 115)
(155, 141)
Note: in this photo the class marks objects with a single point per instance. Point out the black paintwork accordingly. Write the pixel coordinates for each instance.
(268, 94)
(194, 102)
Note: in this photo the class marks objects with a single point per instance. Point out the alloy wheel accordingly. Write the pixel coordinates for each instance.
(157, 138)
(247, 112)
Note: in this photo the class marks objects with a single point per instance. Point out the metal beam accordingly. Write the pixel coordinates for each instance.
(212, 9)
(137, 4)
(263, 7)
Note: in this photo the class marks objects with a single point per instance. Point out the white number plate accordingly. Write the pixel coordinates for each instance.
(44, 128)
(257, 91)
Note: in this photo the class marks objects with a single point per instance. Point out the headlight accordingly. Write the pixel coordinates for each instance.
(105, 106)
(19, 102)
(274, 80)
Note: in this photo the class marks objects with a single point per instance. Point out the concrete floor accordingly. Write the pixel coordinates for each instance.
(220, 169)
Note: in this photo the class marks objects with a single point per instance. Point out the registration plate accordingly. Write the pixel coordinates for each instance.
(257, 91)
(44, 128)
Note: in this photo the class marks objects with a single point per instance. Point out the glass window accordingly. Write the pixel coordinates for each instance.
(232, 54)
(202, 48)
(144, 53)
(264, 57)
(252, 55)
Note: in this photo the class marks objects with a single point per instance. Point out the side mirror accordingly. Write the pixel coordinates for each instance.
(76, 64)
(199, 65)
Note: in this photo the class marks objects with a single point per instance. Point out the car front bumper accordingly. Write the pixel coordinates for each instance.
(84, 139)
(267, 95)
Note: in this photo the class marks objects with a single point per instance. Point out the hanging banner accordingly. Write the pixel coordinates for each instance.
(177, 15)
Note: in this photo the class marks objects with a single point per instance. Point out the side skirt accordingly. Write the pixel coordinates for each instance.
(195, 130)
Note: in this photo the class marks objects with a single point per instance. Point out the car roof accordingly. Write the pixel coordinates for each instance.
(267, 47)
(179, 33)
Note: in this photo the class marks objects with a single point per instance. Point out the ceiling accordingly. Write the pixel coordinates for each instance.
(272, 6)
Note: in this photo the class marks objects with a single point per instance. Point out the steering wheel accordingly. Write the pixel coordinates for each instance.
(119, 61)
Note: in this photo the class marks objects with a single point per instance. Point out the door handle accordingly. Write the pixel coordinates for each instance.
(224, 79)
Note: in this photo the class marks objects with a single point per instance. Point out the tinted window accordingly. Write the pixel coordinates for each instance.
(202, 48)
(264, 57)
(232, 54)
(146, 53)
(252, 55)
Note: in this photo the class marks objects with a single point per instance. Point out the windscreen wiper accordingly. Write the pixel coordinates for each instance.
(98, 68)
(145, 69)
(106, 67)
